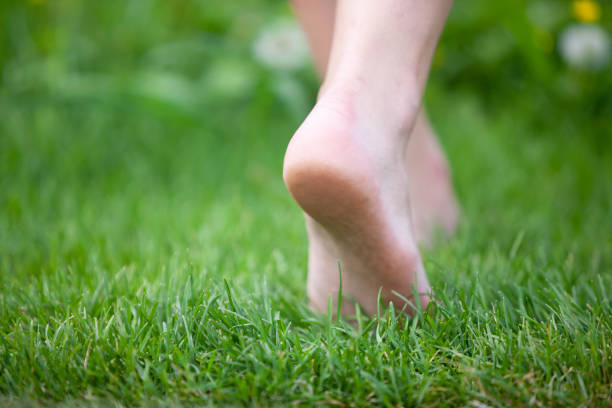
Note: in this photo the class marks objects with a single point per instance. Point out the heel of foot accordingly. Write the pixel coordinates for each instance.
(326, 171)
(325, 191)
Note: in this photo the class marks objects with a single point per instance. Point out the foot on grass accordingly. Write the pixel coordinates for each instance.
(345, 166)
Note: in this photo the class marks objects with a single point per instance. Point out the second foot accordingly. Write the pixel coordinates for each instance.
(434, 206)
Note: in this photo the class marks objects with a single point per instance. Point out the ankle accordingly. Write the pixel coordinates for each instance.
(394, 109)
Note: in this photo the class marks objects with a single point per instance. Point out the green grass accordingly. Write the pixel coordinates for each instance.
(149, 253)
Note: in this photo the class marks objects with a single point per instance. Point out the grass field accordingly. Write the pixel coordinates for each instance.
(150, 254)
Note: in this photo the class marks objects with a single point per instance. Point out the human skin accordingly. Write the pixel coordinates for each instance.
(433, 205)
(348, 164)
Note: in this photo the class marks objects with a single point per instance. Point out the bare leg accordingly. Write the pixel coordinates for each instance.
(317, 18)
(432, 199)
(346, 164)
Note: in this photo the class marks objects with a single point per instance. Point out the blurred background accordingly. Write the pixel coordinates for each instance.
(191, 60)
(182, 58)
(129, 124)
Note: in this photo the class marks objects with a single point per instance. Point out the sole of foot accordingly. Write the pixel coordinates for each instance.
(345, 172)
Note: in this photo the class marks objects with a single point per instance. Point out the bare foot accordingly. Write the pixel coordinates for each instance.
(346, 169)
(434, 207)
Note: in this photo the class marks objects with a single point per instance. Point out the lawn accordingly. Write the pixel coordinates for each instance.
(150, 254)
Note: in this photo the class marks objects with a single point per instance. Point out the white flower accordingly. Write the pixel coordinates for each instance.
(585, 46)
(281, 46)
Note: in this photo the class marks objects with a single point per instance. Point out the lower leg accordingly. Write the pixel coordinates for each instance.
(317, 18)
(434, 206)
(345, 166)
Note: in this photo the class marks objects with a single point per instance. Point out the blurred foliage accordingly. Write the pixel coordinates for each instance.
(508, 53)
(177, 55)
(182, 58)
